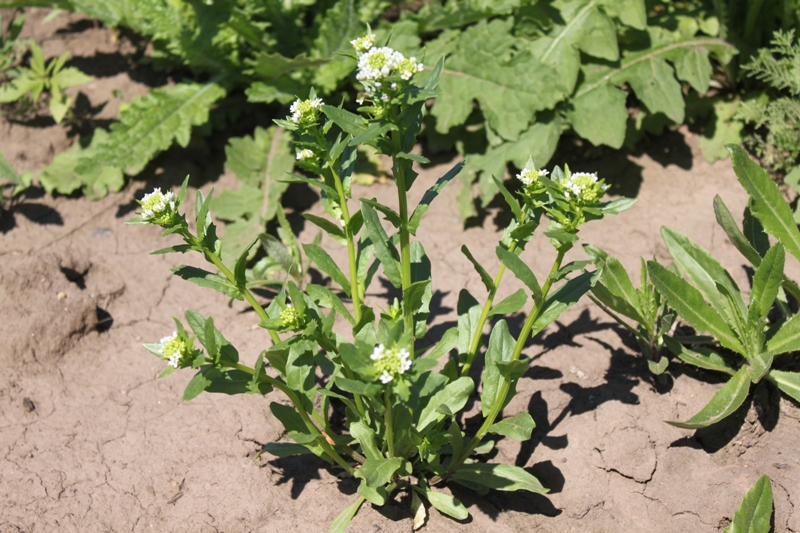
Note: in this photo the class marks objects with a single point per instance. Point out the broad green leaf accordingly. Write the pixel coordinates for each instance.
(704, 271)
(508, 93)
(518, 428)
(520, 270)
(446, 504)
(454, 396)
(326, 298)
(376, 496)
(378, 472)
(62, 174)
(691, 307)
(768, 204)
(754, 514)
(510, 304)
(262, 161)
(787, 382)
(499, 477)
(204, 278)
(289, 417)
(340, 523)
(500, 349)
(270, 66)
(653, 81)
(367, 439)
(326, 263)
(384, 250)
(722, 129)
(631, 12)
(693, 66)
(600, 116)
(430, 195)
(445, 344)
(347, 121)
(233, 204)
(199, 382)
(338, 26)
(151, 123)
(728, 223)
(485, 277)
(787, 339)
(724, 403)
(614, 276)
(766, 283)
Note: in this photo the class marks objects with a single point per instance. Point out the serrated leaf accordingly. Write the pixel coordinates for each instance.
(654, 83)
(754, 514)
(508, 93)
(693, 66)
(768, 204)
(786, 339)
(237, 204)
(724, 403)
(518, 428)
(600, 116)
(151, 123)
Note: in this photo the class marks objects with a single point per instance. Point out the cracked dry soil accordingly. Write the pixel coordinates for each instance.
(91, 441)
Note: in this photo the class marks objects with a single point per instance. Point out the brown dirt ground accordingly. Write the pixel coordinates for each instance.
(91, 441)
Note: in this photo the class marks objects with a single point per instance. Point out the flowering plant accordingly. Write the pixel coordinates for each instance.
(401, 400)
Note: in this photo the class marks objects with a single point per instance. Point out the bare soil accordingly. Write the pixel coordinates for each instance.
(91, 441)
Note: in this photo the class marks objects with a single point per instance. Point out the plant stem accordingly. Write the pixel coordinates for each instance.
(387, 416)
(321, 440)
(399, 167)
(506, 383)
(355, 289)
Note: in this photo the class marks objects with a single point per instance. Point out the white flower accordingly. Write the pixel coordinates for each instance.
(529, 176)
(305, 154)
(583, 187)
(305, 112)
(173, 349)
(363, 44)
(390, 363)
(157, 206)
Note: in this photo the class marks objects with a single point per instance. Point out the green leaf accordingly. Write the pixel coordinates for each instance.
(509, 93)
(693, 66)
(724, 403)
(520, 270)
(768, 204)
(241, 265)
(340, 523)
(289, 417)
(326, 263)
(702, 359)
(270, 66)
(285, 449)
(234, 204)
(62, 174)
(787, 382)
(565, 297)
(204, 278)
(337, 27)
(326, 298)
(388, 213)
(691, 307)
(261, 161)
(347, 121)
(384, 250)
(446, 504)
(199, 382)
(615, 280)
(755, 512)
(728, 223)
(327, 226)
(378, 472)
(500, 349)
(454, 396)
(766, 283)
(510, 304)
(430, 195)
(518, 428)
(704, 271)
(722, 129)
(485, 277)
(653, 81)
(787, 339)
(367, 439)
(151, 123)
(358, 387)
(600, 116)
(499, 477)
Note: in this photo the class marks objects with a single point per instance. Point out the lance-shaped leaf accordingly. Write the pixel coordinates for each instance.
(367, 439)
(453, 398)
(706, 359)
(204, 278)
(768, 204)
(520, 270)
(340, 523)
(501, 347)
(326, 263)
(787, 339)
(565, 297)
(691, 306)
(704, 271)
(498, 476)
(485, 277)
(430, 195)
(384, 249)
(378, 472)
(754, 514)
(446, 504)
(724, 403)
(787, 382)
(510, 304)
(728, 223)
(766, 283)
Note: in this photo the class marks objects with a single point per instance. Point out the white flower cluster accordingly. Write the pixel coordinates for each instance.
(390, 363)
(376, 65)
(156, 204)
(584, 187)
(529, 176)
(305, 112)
(172, 349)
(304, 155)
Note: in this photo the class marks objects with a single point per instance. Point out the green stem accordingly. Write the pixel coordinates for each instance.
(321, 439)
(399, 168)
(355, 288)
(387, 416)
(506, 382)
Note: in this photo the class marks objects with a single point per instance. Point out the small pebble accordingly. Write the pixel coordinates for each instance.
(102, 233)
(28, 405)
(61, 295)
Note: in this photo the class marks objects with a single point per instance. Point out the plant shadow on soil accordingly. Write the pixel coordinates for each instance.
(36, 212)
